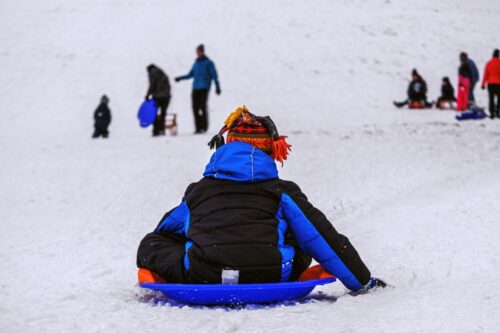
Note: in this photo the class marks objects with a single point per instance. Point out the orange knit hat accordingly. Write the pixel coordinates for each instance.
(260, 132)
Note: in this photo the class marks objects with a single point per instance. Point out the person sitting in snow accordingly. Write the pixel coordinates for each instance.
(464, 81)
(102, 118)
(447, 94)
(417, 92)
(242, 217)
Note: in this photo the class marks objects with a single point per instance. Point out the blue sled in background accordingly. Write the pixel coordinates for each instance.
(474, 113)
(147, 112)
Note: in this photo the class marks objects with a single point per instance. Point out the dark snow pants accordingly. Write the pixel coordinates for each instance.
(471, 91)
(494, 93)
(159, 123)
(200, 112)
(163, 253)
(100, 131)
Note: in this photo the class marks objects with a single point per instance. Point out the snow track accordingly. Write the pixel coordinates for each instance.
(417, 193)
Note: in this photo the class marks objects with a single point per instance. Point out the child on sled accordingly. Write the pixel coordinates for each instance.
(242, 217)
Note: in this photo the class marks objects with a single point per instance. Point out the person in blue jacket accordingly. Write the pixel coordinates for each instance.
(242, 217)
(203, 73)
(474, 74)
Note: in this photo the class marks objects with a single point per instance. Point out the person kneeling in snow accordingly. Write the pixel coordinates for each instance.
(240, 216)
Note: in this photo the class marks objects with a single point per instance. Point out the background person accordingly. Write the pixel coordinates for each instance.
(492, 78)
(474, 74)
(417, 91)
(464, 80)
(447, 94)
(159, 89)
(102, 119)
(203, 73)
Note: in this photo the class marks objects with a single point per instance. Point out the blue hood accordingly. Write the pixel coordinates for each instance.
(241, 162)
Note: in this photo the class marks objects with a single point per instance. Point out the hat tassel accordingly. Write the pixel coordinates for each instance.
(281, 149)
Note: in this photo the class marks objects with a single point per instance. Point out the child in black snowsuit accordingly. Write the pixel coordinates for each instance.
(447, 94)
(102, 118)
(241, 217)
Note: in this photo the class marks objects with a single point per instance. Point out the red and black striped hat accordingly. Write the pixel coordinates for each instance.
(260, 132)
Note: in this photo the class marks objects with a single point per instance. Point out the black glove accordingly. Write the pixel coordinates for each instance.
(217, 90)
(375, 283)
(379, 283)
(177, 79)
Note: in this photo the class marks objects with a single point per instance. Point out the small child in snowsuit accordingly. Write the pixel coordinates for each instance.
(102, 118)
(242, 217)
(447, 94)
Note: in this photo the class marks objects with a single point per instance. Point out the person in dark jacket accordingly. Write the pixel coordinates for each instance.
(447, 94)
(242, 217)
(473, 72)
(159, 90)
(417, 91)
(102, 118)
(203, 73)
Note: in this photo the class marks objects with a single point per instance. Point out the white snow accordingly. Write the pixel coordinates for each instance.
(417, 192)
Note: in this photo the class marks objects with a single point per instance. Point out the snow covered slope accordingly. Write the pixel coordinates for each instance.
(417, 193)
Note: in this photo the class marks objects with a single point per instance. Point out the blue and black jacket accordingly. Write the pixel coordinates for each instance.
(241, 216)
(202, 72)
(474, 72)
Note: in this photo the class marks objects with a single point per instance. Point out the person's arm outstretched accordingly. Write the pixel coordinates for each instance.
(187, 76)
(317, 238)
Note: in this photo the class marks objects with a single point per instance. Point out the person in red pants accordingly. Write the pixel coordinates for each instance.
(492, 78)
(464, 80)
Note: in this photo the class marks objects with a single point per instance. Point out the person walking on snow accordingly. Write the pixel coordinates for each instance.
(474, 74)
(492, 78)
(203, 73)
(242, 217)
(102, 118)
(159, 90)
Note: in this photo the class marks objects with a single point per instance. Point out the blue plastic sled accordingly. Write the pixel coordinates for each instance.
(147, 112)
(251, 293)
(474, 113)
